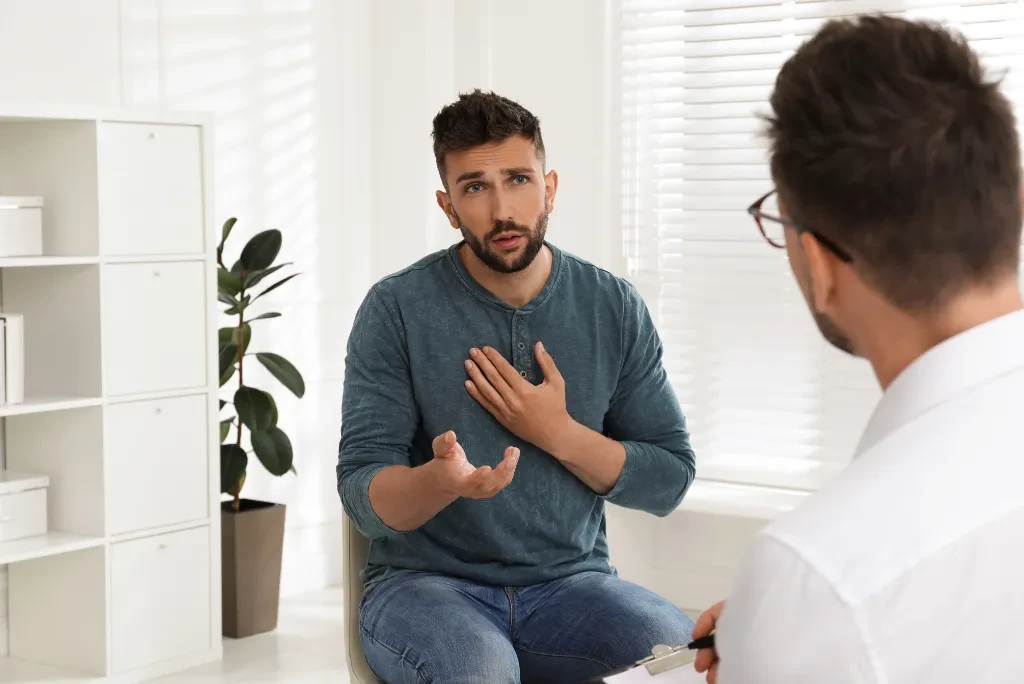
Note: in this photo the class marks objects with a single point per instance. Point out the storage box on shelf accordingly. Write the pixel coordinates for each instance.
(21, 226)
(120, 580)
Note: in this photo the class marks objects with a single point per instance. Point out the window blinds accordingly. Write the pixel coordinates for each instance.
(768, 401)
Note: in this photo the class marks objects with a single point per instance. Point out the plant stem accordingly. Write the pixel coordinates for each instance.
(235, 505)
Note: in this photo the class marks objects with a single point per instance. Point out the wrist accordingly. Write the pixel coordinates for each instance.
(432, 483)
(563, 438)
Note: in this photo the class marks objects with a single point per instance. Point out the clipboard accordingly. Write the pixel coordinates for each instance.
(668, 664)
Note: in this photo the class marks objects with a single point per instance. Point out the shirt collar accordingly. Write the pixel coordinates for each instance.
(483, 294)
(966, 360)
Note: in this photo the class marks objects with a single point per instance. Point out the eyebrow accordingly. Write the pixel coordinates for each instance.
(475, 175)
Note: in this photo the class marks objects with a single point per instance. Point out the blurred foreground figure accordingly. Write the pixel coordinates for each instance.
(898, 202)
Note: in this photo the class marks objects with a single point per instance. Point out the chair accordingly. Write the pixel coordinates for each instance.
(356, 548)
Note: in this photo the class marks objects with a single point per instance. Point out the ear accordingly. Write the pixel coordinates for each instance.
(821, 265)
(550, 188)
(445, 202)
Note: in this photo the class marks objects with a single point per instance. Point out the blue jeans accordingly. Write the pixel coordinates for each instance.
(421, 628)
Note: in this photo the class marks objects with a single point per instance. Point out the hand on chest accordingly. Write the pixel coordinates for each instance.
(496, 380)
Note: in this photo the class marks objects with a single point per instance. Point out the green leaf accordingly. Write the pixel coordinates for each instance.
(274, 450)
(225, 428)
(225, 298)
(282, 369)
(228, 282)
(237, 267)
(276, 285)
(269, 314)
(226, 375)
(238, 307)
(254, 409)
(226, 230)
(261, 250)
(254, 277)
(233, 461)
(230, 334)
(228, 356)
(273, 409)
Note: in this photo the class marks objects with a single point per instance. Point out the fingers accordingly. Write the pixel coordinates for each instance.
(507, 469)
(707, 659)
(547, 364)
(706, 622)
(474, 391)
(497, 362)
(444, 445)
(483, 384)
(485, 482)
(704, 660)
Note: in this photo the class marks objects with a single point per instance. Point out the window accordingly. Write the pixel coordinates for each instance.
(768, 401)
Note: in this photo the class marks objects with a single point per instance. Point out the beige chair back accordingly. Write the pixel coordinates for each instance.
(356, 549)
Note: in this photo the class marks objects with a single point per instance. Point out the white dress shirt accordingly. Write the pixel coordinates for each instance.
(909, 566)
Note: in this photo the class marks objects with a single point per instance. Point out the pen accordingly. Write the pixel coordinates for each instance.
(704, 642)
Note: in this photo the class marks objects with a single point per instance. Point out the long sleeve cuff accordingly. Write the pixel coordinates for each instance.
(355, 498)
(652, 480)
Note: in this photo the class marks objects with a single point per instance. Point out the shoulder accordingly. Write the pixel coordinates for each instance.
(779, 598)
(421, 278)
(601, 282)
(414, 278)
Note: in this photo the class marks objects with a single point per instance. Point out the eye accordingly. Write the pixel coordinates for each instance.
(474, 187)
(520, 180)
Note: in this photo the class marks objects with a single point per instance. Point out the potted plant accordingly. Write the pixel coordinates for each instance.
(252, 531)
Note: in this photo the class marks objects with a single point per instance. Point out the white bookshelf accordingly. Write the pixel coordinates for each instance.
(121, 395)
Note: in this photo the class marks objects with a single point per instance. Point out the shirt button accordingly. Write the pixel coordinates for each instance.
(523, 373)
(522, 346)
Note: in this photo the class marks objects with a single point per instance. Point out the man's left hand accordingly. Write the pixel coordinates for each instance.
(535, 413)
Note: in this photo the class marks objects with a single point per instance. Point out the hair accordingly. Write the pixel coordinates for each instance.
(478, 118)
(886, 138)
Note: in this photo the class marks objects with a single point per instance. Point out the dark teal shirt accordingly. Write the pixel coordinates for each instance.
(404, 385)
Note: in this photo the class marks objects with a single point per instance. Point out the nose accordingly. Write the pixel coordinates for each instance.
(502, 208)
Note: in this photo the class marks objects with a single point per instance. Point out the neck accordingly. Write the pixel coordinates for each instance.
(515, 289)
(904, 338)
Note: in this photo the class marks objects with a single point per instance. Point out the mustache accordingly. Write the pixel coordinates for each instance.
(506, 226)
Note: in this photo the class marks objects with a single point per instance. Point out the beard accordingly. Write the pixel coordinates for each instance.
(484, 252)
(833, 335)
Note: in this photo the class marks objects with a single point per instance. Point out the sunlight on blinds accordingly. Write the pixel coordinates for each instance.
(767, 400)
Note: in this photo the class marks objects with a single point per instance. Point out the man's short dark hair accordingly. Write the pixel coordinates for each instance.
(478, 118)
(888, 139)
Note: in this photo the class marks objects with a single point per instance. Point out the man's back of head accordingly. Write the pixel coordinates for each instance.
(897, 166)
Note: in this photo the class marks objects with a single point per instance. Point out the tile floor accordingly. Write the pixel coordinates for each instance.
(306, 648)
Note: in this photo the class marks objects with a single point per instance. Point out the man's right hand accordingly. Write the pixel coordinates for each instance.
(456, 476)
(707, 658)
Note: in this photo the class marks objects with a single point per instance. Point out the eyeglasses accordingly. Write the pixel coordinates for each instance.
(768, 218)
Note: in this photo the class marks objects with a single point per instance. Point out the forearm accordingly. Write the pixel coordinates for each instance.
(595, 459)
(406, 498)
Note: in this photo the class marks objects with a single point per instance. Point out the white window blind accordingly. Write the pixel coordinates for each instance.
(768, 401)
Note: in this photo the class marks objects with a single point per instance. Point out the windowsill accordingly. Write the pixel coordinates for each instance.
(740, 500)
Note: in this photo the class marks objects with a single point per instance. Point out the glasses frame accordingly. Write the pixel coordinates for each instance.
(758, 215)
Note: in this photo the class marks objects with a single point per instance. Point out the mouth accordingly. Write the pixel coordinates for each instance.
(508, 241)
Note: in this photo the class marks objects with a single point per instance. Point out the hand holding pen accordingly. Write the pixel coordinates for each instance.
(704, 642)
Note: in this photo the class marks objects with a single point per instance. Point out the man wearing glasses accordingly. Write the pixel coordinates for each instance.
(898, 202)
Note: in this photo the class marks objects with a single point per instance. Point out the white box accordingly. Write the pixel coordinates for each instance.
(21, 226)
(22, 505)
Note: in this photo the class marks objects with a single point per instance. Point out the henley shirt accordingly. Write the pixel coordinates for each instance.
(404, 385)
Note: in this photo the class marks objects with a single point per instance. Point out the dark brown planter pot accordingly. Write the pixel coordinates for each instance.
(252, 543)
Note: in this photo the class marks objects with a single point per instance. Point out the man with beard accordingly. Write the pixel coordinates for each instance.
(497, 395)
(897, 170)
